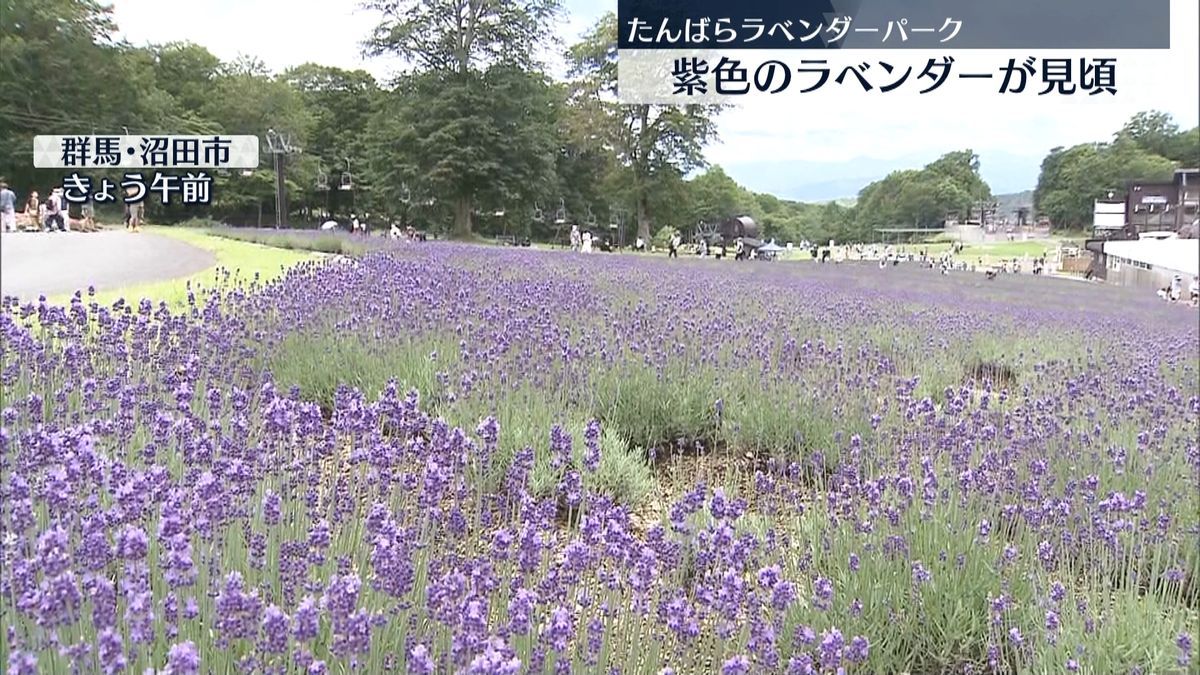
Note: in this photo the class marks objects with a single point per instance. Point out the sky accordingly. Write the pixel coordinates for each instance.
(825, 149)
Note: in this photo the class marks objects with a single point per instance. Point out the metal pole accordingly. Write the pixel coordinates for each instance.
(278, 190)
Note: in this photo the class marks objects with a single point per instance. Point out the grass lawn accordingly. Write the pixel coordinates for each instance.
(991, 253)
(244, 259)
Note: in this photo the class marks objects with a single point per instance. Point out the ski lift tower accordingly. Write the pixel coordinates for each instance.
(560, 218)
(347, 185)
(280, 147)
(323, 186)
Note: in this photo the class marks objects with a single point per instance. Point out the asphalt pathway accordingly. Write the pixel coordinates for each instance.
(51, 263)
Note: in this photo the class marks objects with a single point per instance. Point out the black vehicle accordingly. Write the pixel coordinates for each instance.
(724, 236)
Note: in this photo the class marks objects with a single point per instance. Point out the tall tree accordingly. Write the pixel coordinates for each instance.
(1072, 179)
(919, 197)
(58, 60)
(451, 43)
(1153, 130)
(341, 103)
(657, 144)
(714, 196)
(485, 139)
(187, 72)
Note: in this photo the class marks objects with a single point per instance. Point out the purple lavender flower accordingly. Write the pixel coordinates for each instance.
(560, 629)
(274, 630)
(110, 651)
(237, 610)
(497, 659)
(560, 447)
(133, 543)
(859, 649)
(271, 508)
(22, 663)
(920, 575)
(822, 594)
(183, 659)
(831, 646)
(738, 665)
(1057, 592)
(591, 439)
(420, 662)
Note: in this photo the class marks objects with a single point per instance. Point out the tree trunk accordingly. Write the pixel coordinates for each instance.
(643, 219)
(462, 217)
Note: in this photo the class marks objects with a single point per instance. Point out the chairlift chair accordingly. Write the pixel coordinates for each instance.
(560, 216)
(590, 219)
(538, 216)
(405, 193)
(322, 180)
(347, 178)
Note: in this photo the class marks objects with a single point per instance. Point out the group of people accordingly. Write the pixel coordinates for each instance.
(409, 233)
(51, 215)
(357, 226)
(1174, 292)
(581, 242)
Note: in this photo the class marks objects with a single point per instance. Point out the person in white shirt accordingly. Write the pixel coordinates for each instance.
(8, 208)
(586, 246)
(54, 212)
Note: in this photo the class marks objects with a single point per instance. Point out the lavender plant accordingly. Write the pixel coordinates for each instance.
(453, 459)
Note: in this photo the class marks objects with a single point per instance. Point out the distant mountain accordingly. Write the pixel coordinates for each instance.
(829, 180)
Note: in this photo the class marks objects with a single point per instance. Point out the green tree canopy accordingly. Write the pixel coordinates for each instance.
(919, 198)
(656, 145)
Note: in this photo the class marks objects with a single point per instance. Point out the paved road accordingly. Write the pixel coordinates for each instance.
(50, 263)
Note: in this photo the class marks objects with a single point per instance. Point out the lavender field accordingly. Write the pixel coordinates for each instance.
(453, 459)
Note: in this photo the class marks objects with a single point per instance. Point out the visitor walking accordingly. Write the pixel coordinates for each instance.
(87, 220)
(673, 246)
(576, 238)
(8, 208)
(33, 209)
(586, 242)
(134, 214)
(54, 212)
